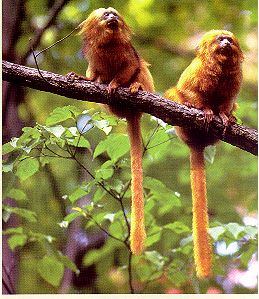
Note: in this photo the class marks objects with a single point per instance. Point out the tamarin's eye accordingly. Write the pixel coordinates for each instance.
(108, 14)
(221, 38)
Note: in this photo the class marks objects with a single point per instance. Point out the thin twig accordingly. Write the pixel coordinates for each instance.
(104, 230)
(93, 177)
(63, 38)
(40, 73)
(58, 155)
(53, 13)
(150, 138)
(132, 291)
(162, 142)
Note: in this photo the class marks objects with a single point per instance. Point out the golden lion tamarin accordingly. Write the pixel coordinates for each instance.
(211, 83)
(113, 60)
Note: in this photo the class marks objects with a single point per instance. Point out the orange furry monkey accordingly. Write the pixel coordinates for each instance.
(113, 60)
(211, 83)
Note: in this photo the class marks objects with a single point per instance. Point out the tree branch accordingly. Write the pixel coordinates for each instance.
(169, 111)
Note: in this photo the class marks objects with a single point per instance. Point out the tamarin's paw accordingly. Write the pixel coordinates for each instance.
(113, 85)
(226, 120)
(207, 117)
(135, 87)
(72, 76)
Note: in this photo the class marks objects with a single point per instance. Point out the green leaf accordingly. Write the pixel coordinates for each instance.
(154, 235)
(103, 125)
(177, 277)
(216, 232)
(29, 135)
(83, 124)
(26, 168)
(96, 255)
(116, 146)
(56, 130)
(59, 115)
(209, 153)
(67, 262)
(8, 167)
(165, 198)
(72, 216)
(98, 195)
(105, 171)
(100, 148)
(251, 231)
(35, 236)
(186, 240)
(16, 194)
(27, 214)
(108, 118)
(117, 230)
(247, 255)
(14, 141)
(7, 148)
(73, 131)
(80, 141)
(104, 174)
(178, 227)
(150, 204)
(235, 229)
(145, 272)
(78, 193)
(51, 270)
(155, 258)
(17, 240)
(13, 230)
(110, 217)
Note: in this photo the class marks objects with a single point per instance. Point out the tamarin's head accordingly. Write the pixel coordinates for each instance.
(221, 45)
(104, 25)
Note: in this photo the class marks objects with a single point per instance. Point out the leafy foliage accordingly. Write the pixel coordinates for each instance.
(108, 183)
(73, 165)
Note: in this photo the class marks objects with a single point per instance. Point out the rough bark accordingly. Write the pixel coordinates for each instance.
(169, 111)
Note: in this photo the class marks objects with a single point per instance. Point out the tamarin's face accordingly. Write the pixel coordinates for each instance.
(221, 44)
(110, 19)
(104, 24)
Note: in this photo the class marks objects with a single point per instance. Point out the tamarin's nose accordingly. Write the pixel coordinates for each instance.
(225, 42)
(112, 17)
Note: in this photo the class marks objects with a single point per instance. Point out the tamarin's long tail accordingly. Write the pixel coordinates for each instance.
(202, 246)
(137, 230)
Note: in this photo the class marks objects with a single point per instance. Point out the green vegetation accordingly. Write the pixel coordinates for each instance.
(71, 163)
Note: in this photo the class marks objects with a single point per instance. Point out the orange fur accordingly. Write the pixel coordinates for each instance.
(211, 82)
(138, 234)
(113, 60)
(202, 246)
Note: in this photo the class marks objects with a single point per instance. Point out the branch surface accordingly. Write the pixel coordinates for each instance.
(169, 111)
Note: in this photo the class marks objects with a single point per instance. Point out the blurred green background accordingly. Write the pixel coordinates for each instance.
(165, 34)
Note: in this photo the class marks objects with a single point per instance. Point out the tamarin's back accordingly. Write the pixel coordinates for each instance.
(110, 53)
(211, 83)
